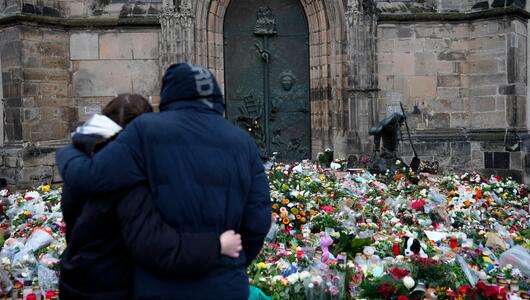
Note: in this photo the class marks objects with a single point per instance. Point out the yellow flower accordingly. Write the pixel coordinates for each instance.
(262, 265)
(505, 196)
(294, 210)
(27, 213)
(299, 196)
(285, 187)
(45, 188)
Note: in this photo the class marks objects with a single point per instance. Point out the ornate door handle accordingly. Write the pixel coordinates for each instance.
(265, 54)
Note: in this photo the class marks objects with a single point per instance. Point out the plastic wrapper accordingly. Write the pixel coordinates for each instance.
(38, 239)
(504, 234)
(48, 279)
(48, 260)
(24, 265)
(271, 235)
(11, 247)
(518, 257)
(324, 284)
(471, 277)
(5, 283)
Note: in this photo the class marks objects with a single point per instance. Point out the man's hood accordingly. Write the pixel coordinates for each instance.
(99, 125)
(187, 82)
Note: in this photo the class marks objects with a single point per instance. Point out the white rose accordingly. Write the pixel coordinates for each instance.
(368, 251)
(408, 282)
(4, 192)
(293, 278)
(304, 275)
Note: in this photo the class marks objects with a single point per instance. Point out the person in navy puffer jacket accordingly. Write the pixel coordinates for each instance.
(204, 173)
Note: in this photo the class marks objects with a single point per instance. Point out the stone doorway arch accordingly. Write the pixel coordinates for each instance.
(328, 71)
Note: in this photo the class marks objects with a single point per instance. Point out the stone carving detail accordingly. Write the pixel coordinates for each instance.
(287, 80)
(251, 115)
(177, 36)
(265, 22)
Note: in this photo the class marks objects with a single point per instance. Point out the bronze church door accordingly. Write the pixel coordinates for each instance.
(266, 51)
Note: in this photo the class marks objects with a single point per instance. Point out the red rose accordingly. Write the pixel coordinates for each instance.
(464, 289)
(492, 292)
(300, 253)
(402, 297)
(386, 290)
(481, 286)
(399, 273)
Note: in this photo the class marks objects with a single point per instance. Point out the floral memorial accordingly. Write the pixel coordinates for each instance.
(336, 235)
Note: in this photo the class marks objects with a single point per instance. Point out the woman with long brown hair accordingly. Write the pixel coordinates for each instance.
(107, 234)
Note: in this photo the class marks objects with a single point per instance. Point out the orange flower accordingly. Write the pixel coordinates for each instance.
(274, 215)
(398, 176)
(284, 281)
(275, 206)
(467, 203)
(298, 217)
(302, 213)
(285, 201)
(285, 221)
(452, 193)
(312, 212)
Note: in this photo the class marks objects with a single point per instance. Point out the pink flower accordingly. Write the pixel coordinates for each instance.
(328, 209)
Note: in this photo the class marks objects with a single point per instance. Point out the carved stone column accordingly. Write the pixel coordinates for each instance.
(361, 19)
(177, 37)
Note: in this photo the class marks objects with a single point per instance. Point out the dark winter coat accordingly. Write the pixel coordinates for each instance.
(205, 175)
(106, 232)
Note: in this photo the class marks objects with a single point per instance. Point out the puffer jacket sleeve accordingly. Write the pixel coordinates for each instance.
(157, 246)
(257, 212)
(119, 165)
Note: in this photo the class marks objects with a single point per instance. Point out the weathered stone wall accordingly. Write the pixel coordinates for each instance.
(54, 78)
(47, 111)
(107, 63)
(80, 8)
(464, 88)
(12, 77)
(443, 6)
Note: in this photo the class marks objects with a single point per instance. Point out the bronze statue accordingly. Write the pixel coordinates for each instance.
(389, 131)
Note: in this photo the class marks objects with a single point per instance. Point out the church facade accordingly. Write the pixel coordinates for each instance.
(300, 75)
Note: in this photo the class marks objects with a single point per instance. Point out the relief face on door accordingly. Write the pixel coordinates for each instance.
(267, 74)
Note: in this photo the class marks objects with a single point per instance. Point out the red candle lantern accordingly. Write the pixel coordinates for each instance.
(396, 249)
(453, 242)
